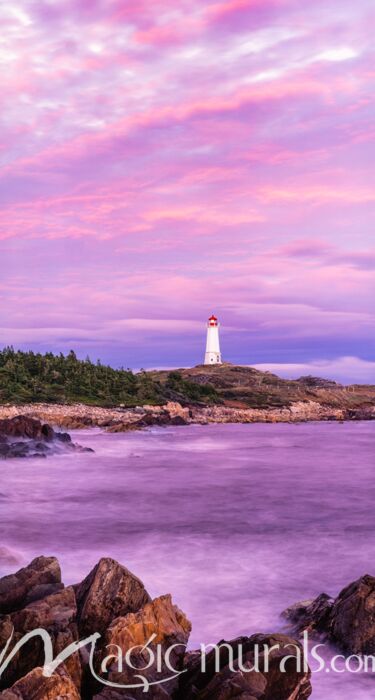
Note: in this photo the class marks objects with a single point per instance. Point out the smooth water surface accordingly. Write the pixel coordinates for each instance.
(237, 521)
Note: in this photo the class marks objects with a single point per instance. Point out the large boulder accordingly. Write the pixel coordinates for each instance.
(224, 681)
(352, 622)
(29, 583)
(109, 591)
(34, 686)
(170, 627)
(56, 614)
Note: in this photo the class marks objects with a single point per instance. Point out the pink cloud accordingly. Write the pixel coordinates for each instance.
(160, 157)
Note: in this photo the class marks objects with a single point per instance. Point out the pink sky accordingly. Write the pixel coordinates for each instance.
(162, 161)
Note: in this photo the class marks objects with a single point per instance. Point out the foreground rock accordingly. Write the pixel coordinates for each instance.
(348, 621)
(352, 620)
(312, 616)
(23, 436)
(35, 686)
(172, 628)
(109, 591)
(55, 613)
(237, 681)
(37, 580)
(113, 602)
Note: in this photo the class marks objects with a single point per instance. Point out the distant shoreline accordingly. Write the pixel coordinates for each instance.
(78, 416)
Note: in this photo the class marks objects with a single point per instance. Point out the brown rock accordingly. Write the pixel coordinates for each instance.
(57, 615)
(352, 624)
(34, 686)
(310, 615)
(170, 625)
(16, 588)
(109, 591)
(26, 427)
(219, 682)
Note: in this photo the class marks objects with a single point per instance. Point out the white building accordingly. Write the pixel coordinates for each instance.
(213, 354)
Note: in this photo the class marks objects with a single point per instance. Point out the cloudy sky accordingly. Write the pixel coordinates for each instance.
(165, 160)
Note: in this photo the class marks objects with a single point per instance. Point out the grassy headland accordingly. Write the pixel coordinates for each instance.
(27, 377)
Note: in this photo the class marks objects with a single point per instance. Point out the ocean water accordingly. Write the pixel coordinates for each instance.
(236, 521)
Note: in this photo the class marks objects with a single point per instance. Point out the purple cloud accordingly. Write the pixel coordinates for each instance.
(163, 161)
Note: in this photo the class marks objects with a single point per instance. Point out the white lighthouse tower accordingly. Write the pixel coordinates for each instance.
(213, 354)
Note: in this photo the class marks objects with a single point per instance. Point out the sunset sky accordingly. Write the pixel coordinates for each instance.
(165, 160)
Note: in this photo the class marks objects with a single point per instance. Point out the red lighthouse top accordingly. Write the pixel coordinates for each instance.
(212, 321)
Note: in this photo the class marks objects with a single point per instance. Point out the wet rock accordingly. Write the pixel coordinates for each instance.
(109, 591)
(23, 436)
(34, 686)
(361, 413)
(17, 588)
(170, 627)
(57, 615)
(312, 616)
(352, 623)
(25, 427)
(224, 681)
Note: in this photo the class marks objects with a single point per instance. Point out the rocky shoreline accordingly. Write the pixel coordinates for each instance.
(347, 621)
(130, 630)
(75, 416)
(115, 642)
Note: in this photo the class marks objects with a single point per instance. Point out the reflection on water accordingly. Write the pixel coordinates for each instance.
(237, 521)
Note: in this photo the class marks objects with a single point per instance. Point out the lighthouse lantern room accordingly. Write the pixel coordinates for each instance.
(213, 354)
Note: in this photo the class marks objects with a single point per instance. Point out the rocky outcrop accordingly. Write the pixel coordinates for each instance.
(115, 420)
(347, 621)
(312, 616)
(239, 677)
(35, 686)
(55, 613)
(300, 411)
(114, 602)
(171, 628)
(109, 591)
(23, 436)
(41, 577)
(352, 620)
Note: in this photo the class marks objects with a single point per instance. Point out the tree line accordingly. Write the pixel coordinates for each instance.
(28, 377)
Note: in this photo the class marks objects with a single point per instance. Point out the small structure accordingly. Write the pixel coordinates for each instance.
(213, 354)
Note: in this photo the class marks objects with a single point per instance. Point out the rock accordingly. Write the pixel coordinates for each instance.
(64, 437)
(175, 410)
(42, 591)
(17, 588)
(219, 682)
(352, 623)
(310, 615)
(26, 427)
(361, 413)
(170, 625)
(23, 436)
(109, 591)
(34, 686)
(57, 615)
(158, 419)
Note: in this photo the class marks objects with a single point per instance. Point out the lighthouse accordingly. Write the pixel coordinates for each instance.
(213, 354)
